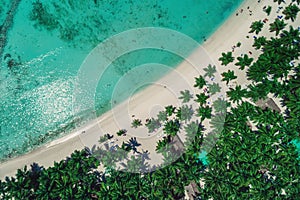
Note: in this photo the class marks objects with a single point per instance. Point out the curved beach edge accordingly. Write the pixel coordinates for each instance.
(234, 29)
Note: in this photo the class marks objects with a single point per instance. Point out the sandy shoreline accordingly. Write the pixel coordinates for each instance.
(152, 99)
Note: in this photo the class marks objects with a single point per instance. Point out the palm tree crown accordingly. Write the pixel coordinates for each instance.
(228, 76)
(236, 94)
(204, 112)
(244, 61)
(291, 12)
(259, 42)
(200, 82)
(277, 26)
(185, 96)
(214, 88)
(226, 58)
(201, 98)
(256, 27)
(210, 71)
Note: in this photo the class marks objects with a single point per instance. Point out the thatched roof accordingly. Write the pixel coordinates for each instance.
(178, 144)
(191, 190)
(268, 103)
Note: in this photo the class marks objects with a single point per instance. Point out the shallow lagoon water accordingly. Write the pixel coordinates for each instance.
(43, 54)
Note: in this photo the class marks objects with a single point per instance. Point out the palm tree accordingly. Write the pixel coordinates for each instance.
(220, 105)
(204, 112)
(185, 96)
(135, 164)
(278, 89)
(268, 10)
(126, 147)
(259, 42)
(185, 113)
(291, 98)
(121, 132)
(3, 189)
(193, 129)
(200, 82)
(214, 88)
(256, 27)
(201, 98)
(291, 12)
(78, 171)
(136, 123)
(162, 144)
(152, 124)
(105, 138)
(273, 45)
(256, 72)
(240, 156)
(235, 95)
(172, 127)
(13, 186)
(162, 116)
(275, 60)
(244, 61)
(228, 76)
(258, 91)
(290, 37)
(277, 26)
(210, 71)
(217, 122)
(226, 58)
(246, 107)
(266, 117)
(170, 110)
(194, 144)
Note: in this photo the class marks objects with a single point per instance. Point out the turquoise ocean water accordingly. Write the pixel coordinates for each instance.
(45, 44)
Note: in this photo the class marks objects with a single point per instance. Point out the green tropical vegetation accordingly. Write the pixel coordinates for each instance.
(228, 76)
(105, 137)
(152, 124)
(185, 113)
(268, 10)
(162, 116)
(226, 58)
(136, 123)
(244, 61)
(200, 82)
(186, 96)
(121, 132)
(213, 88)
(251, 152)
(170, 110)
(291, 12)
(172, 127)
(210, 71)
(204, 113)
(201, 98)
(256, 27)
(236, 94)
(277, 26)
(259, 42)
(220, 105)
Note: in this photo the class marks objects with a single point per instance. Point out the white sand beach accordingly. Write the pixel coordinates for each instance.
(149, 101)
